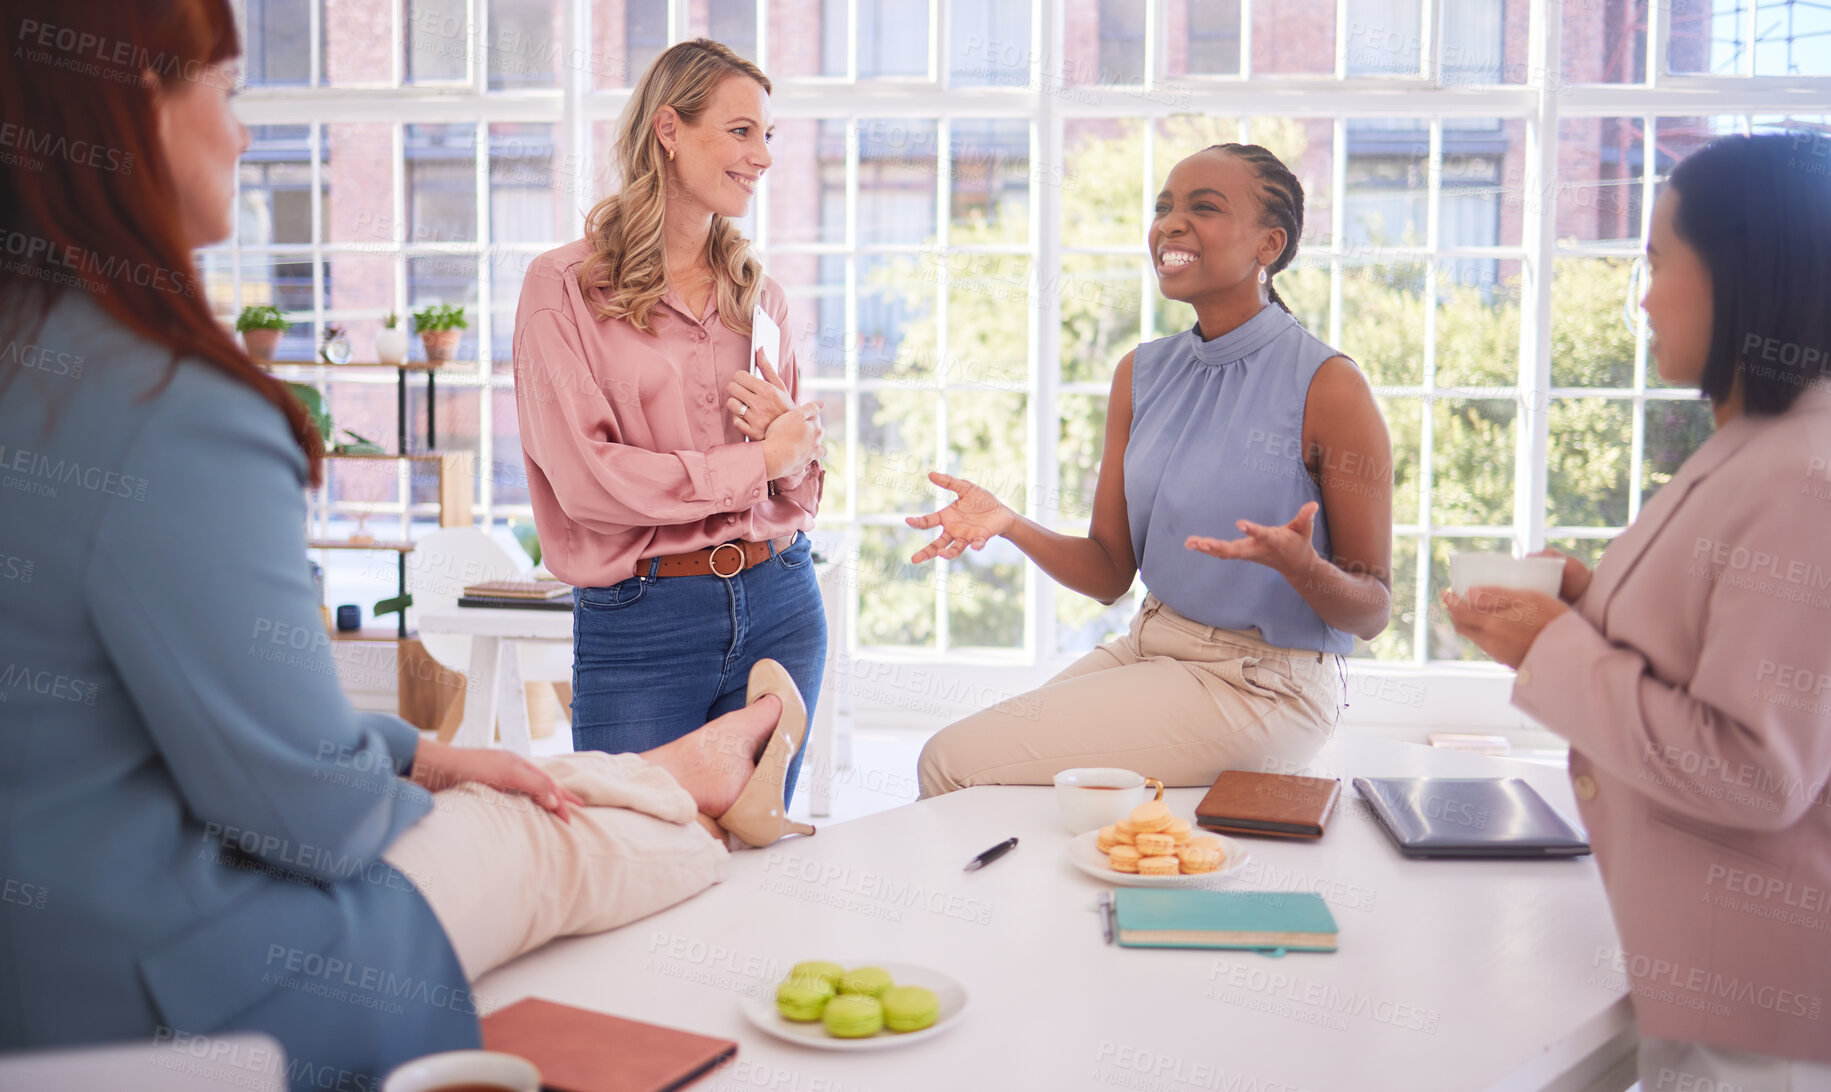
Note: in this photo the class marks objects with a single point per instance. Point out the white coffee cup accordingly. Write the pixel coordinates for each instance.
(457, 1067)
(1476, 570)
(1091, 797)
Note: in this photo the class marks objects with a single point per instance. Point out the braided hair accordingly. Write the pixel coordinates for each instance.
(1280, 203)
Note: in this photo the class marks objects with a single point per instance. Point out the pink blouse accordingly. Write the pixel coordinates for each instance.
(629, 445)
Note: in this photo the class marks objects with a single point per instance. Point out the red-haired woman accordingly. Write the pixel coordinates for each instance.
(197, 833)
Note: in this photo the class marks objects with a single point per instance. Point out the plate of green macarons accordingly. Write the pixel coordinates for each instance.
(867, 1006)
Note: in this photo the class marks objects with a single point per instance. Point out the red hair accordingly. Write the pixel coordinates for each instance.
(98, 206)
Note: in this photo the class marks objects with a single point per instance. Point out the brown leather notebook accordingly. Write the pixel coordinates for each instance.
(1280, 805)
(577, 1050)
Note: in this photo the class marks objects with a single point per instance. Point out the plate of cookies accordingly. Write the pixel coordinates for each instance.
(1153, 848)
(831, 1007)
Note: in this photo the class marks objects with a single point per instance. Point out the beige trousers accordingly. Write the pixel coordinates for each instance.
(505, 876)
(1172, 699)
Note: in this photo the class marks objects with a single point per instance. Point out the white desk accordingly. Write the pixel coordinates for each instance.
(1452, 975)
(492, 682)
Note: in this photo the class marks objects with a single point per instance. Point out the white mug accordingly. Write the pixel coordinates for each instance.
(457, 1067)
(1091, 797)
(1473, 569)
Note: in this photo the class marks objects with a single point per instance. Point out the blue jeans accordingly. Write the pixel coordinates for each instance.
(656, 657)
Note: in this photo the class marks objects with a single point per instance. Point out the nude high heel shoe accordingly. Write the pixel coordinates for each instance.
(759, 817)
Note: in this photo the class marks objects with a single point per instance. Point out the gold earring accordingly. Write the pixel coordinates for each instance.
(670, 155)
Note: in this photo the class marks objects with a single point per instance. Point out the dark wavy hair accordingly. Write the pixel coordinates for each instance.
(126, 220)
(1757, 209)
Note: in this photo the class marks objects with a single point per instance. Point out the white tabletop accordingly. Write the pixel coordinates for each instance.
(531, 624)
(1450, 975)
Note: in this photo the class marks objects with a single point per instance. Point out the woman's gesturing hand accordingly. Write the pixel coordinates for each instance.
(441, 766)
(793, 440)
(1286, 548)
(756, 403)
(973, 519)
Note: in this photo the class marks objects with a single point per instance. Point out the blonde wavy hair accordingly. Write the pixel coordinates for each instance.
(627, 266)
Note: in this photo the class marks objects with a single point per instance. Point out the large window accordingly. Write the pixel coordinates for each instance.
(958, 211)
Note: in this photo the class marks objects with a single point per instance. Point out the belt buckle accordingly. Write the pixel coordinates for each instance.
(712, 561)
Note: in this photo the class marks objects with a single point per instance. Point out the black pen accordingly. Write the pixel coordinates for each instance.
(992, 854)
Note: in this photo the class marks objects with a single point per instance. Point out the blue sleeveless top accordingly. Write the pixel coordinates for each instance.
(1217, 436)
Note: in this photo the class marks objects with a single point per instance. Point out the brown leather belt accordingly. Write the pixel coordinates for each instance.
(726, 560)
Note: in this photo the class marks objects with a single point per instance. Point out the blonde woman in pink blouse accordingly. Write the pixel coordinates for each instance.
(670, 484)
(1691, 671)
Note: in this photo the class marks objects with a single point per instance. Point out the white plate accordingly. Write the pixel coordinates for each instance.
(761, 1011)
(1084, 852)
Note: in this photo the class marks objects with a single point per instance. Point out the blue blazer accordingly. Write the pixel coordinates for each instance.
(192, 816)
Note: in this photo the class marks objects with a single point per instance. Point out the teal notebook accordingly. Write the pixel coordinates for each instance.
(1268, 921)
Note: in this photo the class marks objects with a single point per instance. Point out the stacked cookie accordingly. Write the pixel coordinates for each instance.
(854, 1004)
(1152, 842)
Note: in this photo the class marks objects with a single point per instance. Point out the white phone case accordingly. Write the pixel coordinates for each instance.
(767, 336)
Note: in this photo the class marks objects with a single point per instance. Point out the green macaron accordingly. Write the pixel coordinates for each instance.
(803, 999)
(870, 981)
(909, 1008)
(827, 972)
(853, 1016)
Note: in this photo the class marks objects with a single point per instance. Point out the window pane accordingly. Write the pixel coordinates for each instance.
(896, 600)
(988, 313)
(1477, 334)
(1599, 189)
(1591, 345)
(733, 22)
(359, 184)
(359, 289)
(507, 471)
(1694, 48)
(1476, 154)
(986, 603)
(523, 205)
(896, 318)
(989, 43)
(1607, 43)
(1385, 37)
(1478, 40)
(1382, 322)
(1586, 550)
(276, 180)
(896, 450)
(1203, 38)
(1675, 429)
(1587, 472)
(276, 37)
(1293, 36)
(524, 47)
(1387, 176)
(807, 183)
(436, 37)
(892, 38)
(896, 181)
(989, 174)
(1472, 464)
(1791, 38)
(1100, 300)
(1177, 138)
(625, 37)
(1081, 444)
(1106, 206)
(441, 183)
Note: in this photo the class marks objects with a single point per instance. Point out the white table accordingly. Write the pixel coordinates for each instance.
(493, 681)
(1452, 975)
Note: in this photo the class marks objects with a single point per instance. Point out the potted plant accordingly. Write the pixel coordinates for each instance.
(261, 327)
(391, 341)
(440, 327)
